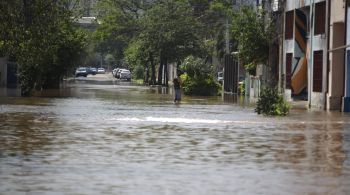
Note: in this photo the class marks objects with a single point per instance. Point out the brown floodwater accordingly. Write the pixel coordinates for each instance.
(115, 138)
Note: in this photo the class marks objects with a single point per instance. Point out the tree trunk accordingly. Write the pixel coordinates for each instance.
(147, 73)
(166, 76)
(153, 76)
(160, 71)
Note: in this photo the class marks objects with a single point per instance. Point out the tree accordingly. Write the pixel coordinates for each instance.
(110, 60)
(118, 25)
(170, 32)
(253, 34)
(160, 31)
(41, 38)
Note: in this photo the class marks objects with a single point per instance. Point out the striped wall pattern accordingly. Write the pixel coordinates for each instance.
(300, 63)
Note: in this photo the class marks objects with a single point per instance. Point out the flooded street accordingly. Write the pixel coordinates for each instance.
(115, 138)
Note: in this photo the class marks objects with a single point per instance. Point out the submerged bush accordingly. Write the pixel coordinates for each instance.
(272, 103)
(203, 87)
(199, 79)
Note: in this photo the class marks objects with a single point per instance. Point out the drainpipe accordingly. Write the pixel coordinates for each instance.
(346, 98)
(328, 14)
(311, 64)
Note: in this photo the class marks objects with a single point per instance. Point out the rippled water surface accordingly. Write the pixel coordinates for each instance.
(123, 139)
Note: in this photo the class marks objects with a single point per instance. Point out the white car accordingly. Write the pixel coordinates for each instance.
(125, 74)
(101, 70)
(81, 72)
(117, 74)
(220, 77)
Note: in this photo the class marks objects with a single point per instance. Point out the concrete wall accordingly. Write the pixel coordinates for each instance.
(296, 4)
(318, 99)
(336, 58)
(288, 47)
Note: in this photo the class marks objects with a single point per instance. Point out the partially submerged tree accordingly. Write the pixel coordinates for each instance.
(40, 36)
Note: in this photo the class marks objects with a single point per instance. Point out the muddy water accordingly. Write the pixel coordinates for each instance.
(117, 138)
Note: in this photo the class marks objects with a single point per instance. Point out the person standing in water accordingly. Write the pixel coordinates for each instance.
(177, 89)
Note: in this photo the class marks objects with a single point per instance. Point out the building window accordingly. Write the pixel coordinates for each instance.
(289, 57)
(320, 18)
(317, 71)
(289, 25)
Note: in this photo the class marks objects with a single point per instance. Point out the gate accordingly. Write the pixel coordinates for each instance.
(230, 75)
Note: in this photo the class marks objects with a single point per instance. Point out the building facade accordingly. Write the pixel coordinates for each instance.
(314, 53)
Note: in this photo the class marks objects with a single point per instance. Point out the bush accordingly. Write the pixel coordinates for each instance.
(197, 67)
(272, 103)
(139, 72)
(241, 88)
(198, 79)
(203, 87)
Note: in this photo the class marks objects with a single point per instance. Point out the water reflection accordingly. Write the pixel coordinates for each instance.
(125, 139)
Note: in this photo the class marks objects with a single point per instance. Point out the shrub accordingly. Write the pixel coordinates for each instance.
(198, 79)
(196, 86)
(139, 72)
(272, 103)
(242, 88)
(197, 67)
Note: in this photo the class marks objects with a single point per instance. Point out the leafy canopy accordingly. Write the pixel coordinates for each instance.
(253, 34)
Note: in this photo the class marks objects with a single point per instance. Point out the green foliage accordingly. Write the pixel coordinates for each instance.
(202, 87)
(135, 54)
(169, 28)
(144, 32)
(197, 68)
(138, 72)
(110, 60)
(42, 39)
(242, 88)
(253, 34)
(114, 31)
(198, 79)
(272, 103)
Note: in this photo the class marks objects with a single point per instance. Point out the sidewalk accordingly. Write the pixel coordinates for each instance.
(299, 105)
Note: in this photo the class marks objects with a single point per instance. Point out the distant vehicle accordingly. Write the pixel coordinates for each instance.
(101, 71)
(125, 74)
(81, 72)
(93, 71)
(117, 75)
(241, 80)
(220, 78)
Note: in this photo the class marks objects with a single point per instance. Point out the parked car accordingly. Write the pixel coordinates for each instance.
(81, 72)
(118, 73)
(101, 71)
(93, 71)
(125, 74)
